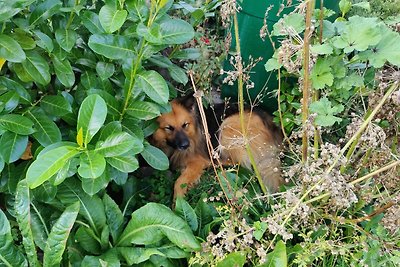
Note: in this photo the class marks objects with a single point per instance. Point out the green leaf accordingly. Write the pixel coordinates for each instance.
(321, 49)
(237, 259)
(321, 74)
(66, 38)
(17, 124)
(325, 112)
(48, 164)
(115, 218)
(44, 41)
(153, 222)
(57, 240)
(124, 163)
(186, 212)
(47, 132)
(37, 68)
(10, 49)
(105, 70)
(1, 163)
(176, 31)
(92, 164)
(272, 64)
(91, 22)
(112, 46)
(23, 216)
(64, 71)
(45, 193)
(345, 6)
(155, 157)
(276, 258)
(9, 254)
(12, 146)
(110, 129)
(10, 100)
(117, 144)
(113, 105)
(178, 74)
(93, 185)
(24, 39)
(187, 54)
(154, 86)
(87, 240)
(143, 110)
(91, 116)
(14, 86)
(138, 255)
(293, 22)
(44, 11)
(112, 19)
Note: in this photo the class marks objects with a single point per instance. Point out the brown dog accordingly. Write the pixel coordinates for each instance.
(180, 135)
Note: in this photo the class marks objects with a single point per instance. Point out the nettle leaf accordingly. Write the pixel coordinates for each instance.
(117, 144)
(55, 105)
(64, 71)
(17, 124)
(48, 164)
(37, 68)
(92, 164)
(289, 23)
(152, 223)
(153, 85)
(57, 240)
(155, 157)
(112, 19)
(12, 146)
(112, 46)
(92, 22)
(91, 116)
(143, 110)
(176, 31)
(23, 216)
(10, 49)
(10, 254)
(276, 258)
(359, 34)
(325, 112)
(47, 132)
(124, 163)
(321, 74)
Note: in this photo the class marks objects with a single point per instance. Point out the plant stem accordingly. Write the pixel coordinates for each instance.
(306, 79)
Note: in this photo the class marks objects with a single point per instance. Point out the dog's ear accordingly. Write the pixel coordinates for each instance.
(188, 102)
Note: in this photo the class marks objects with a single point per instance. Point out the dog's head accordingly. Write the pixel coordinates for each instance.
(178, 128)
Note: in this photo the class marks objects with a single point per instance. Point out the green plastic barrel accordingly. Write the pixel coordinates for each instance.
(250, 20)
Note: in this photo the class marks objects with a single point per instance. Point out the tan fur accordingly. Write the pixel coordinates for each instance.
(263, 141)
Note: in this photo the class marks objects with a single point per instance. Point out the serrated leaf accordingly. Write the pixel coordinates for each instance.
(112, 46)
(153, 85)
(57, 240)
(276, 258)
(112, 19)
(325, 112)
(37, 68)
(17, 124)
(10, 255)
(91, 116)
(124, 163)
(10, 49)
(92, 164)
(117, 144)
(48, 164)
(66, 38)
(143, 110)
(115, 218)
(186, 212)
(321, 74)
(153, 222)
(64, 71)
(23, 216)
(155, 157)
(47, 132)
(321, 49)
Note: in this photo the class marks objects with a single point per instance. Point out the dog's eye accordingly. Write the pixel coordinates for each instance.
(169, 128)
(185, 125)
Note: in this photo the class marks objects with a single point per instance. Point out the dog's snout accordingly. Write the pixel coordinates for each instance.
(182, 141)
(184, 144)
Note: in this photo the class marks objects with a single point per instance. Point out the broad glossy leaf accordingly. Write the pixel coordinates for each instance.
(87, 240)
(66, 38)
(110, 129)
(48, 164)
(64, 71)
(10, 49)
(136, 255)
(1, 163)
(115, 218)
(278, 257)
(138, 10)
(24, 39)
(152, 223)
(187, 54)
(112, 19)
(113, 105)
(57, 240)
(23, 216)
(105, 70)
(12, 85)
(186, 212)
(176, 31)
(237, 259)
(91, 22)
(178, 74)
(112, 46)
(92, 164)
(143, 110)
(17, 124)
(12, 146)
(9, 100)
(93, 185)
(45, 193)
(154, 86)
(37, 68)
(47, 132)
(117, 144)
(155, 157)
(44, 11)
(44, 41)
(10, 254)
(124, 163)
(91, 116)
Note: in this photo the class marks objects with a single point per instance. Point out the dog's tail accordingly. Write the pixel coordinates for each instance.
(264, 140)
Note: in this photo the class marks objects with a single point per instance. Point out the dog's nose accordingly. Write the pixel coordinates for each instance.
(183, 145)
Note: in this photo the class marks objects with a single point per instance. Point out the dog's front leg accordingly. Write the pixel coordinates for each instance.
(190, 175)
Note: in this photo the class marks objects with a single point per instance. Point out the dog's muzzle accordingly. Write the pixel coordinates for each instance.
(181, 141)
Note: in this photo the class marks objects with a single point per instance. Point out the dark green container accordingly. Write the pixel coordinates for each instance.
(250, 20)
